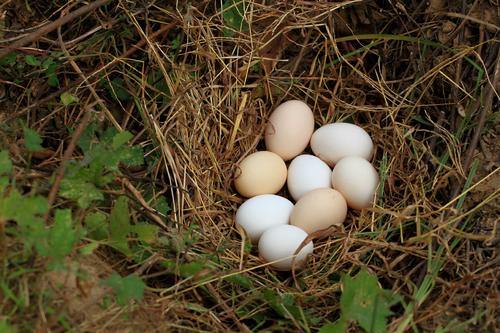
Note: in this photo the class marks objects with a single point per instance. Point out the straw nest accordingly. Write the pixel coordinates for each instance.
(349, 61)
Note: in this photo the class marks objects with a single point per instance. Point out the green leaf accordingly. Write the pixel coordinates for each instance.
(233, 17)
(337, 327)
(127, 288)
(97, 225)
(9, 59)
(89, 248)
(5, 163)
(60, 238)
(240, 280)
(52, 80)
(119, 225)
(5, 327)
(32, 140)
(121, 138)
(146, 232)
(68, 99)
(191, 268)
(365, 302)
(32, 60)
(83, 192)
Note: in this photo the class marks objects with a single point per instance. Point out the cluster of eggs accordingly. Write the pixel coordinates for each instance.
(322, 195)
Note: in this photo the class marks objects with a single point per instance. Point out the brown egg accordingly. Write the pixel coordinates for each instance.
(262, 172)
(289, 129)
(318, 210)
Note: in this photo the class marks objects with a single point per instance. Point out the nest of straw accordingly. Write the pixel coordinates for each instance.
(359, 62)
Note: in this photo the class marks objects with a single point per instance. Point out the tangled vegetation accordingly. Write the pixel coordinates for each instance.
(122, 123)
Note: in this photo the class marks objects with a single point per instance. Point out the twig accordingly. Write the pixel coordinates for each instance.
(34, 36)
(67, 155)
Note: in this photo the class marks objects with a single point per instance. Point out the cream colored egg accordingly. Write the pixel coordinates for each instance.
(262, 172)
(357, 180)
(318, 210)
(335, 141)
(289, 129)
(278, 245)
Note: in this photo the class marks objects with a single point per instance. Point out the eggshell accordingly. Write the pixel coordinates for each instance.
(262, 172)
(278, 244)
(307, 173)
(262, 212)
(318, 210)
(335, 141)
(289, 129)
(357, 180)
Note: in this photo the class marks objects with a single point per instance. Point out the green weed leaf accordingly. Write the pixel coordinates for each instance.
(127, 288)
(32, 60)
(97, 225)
(9, 59)
(68, 99)
(146, 232)
(32, 140)
(119, 225)
(5, 163)
(60, 238)
(5, 327)
(365, 302)
(83, 192)
(233, 17)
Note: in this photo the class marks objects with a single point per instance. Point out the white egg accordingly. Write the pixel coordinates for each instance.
(307, 173)
(357, 180)
(335, 141)
(278, 245)
(262, 212)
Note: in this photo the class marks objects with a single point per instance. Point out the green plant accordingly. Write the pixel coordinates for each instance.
(364, 302)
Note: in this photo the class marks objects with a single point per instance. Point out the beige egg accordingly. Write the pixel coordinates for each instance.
(262, 172)
(357, 180)
(289, 129)
(318, 210)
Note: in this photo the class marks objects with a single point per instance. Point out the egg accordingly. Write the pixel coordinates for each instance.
(262, 212)
(278, 245)
(263, 172)
(318, 210)
(357, 180)
(335, 141)
(289, 129)
(307, 173)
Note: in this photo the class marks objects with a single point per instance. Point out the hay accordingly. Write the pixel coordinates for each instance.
(404, 90)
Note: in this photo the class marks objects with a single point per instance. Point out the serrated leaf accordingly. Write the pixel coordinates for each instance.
(83, 192)
(120, 139)
(127, 288)
(119, 225)
(68, 99)
(365, 302)
(5, 163)
(32, 60)
(60, 237)
(32, 140)
(162, 205)
(133, 156)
